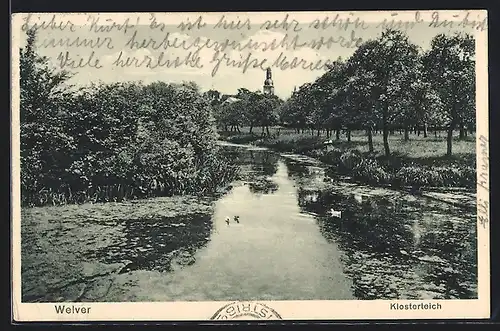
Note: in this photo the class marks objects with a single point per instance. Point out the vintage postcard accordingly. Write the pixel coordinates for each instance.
(239, 166)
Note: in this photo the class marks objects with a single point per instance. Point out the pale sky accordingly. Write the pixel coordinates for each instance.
(227, 80)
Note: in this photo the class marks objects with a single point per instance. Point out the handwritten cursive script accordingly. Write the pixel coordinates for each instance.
(483, 180)
(284, 42)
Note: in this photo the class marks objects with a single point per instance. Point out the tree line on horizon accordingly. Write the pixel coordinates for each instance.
(388, 84)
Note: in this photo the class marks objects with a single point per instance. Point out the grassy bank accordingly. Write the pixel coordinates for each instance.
(419, 162)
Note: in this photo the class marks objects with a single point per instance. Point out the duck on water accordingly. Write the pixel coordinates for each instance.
(236, 218)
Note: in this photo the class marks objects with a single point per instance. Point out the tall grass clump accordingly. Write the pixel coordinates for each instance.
(444, 176)
(397, 173)
(353, 163)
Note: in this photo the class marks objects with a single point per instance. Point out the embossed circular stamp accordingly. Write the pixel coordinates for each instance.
(244, 311)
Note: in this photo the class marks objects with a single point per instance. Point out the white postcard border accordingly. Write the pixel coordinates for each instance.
(289, 310)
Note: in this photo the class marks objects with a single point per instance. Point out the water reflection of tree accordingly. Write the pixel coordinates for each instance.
(264, 162)
(263, 165)
(263, 186)
(256, 167)
(454, 243)
(296, 169)
(383, 248)
(372, 225)
(237, 155)
(306, 174)
(152, 244)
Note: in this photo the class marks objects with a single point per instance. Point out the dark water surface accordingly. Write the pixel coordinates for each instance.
(301, 235)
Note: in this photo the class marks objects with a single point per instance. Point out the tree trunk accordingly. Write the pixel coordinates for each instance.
(451, 127)
(262, 132)
(386, 142)
(318, 132)
(385, 132)
(425, 130)
(462, 133)
(370, 139)
(435, 133)
(348, 135)
(407, 136)
(267, 130)
(337, 134)
(238, 128)
(251, 128)
(449, 139)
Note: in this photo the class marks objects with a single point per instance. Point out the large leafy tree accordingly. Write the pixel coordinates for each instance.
(44, 101)
(450, 65)
(295, 112)
(317, 105)
(387, 65)
(213, 96)
(267, 112)
(335, 115)
(248, 107)
(361, 90)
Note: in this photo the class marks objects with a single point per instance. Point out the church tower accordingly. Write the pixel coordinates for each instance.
(268, 83)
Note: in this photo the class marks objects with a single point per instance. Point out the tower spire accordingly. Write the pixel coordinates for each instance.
(268, 88)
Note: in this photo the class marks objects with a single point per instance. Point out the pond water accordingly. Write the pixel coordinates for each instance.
(301, 235)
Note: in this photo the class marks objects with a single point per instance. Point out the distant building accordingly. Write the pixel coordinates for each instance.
(231, 99)
(228, 98)
(268, 83)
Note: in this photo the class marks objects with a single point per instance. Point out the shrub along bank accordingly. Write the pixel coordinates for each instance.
(110, 142)
(396, 170)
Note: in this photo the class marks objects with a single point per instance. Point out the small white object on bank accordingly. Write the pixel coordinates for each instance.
(335, 213)
(358, 198)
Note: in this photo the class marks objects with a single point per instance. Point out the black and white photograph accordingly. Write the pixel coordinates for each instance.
(276, 159)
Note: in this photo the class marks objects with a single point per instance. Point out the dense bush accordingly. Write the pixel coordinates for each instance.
(109, 142)
(371, 171)
(437, 176)
(397, 173)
